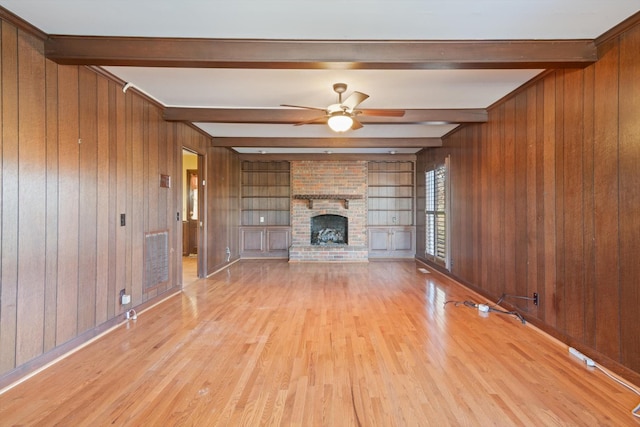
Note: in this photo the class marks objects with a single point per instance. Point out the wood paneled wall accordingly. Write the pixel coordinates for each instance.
(75, 153)
(546, 198)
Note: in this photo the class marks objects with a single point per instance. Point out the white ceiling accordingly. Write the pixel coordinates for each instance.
(326, 20)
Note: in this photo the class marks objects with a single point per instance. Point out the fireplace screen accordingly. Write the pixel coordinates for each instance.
(329, 230)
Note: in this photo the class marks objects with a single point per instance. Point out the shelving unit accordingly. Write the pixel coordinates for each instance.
(265, 209)
(391, 193)
(265, 193)
(391, 230)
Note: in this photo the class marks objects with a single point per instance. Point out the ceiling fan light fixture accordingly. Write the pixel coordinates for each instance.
(340, 121)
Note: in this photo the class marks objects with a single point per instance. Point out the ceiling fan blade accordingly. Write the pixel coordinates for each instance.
(354, 100)
(302, 106)
(320, 119)
(356, 124)
(382, 113)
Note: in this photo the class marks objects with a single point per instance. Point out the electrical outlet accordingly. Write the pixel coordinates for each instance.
(536, 300)
(124, 298)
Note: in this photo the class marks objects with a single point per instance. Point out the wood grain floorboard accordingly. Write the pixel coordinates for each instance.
(266, 342)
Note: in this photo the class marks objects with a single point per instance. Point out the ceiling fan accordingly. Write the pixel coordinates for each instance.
(342, 116)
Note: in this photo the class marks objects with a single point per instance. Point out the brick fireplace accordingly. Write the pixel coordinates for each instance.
(328, 188)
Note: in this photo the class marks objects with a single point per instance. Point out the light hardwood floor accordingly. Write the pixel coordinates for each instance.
(189, 269)
(272, 343)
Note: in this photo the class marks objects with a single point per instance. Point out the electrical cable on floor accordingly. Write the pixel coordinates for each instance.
(486, 308)
(636, 411)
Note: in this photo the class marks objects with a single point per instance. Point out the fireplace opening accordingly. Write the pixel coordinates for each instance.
(329, 230)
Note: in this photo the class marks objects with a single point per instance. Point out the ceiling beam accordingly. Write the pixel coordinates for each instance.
(327, 142)
(292, 115)
(319, 54)
(328, 157)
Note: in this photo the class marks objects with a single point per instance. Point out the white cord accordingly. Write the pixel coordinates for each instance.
(635, 412)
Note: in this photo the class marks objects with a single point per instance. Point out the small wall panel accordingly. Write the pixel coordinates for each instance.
(69, 203)
(106, 216)
(88, 194)
(629, 150)
(10, 189)
(52, 208)
(31, 192)
(606, 203)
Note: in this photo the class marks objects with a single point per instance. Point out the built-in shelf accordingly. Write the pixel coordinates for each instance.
(343, 197)
(265, 194)
(390, 200)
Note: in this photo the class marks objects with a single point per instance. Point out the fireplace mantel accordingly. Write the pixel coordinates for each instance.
(344, 197)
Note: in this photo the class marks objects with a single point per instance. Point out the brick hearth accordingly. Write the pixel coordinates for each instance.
(326, 178)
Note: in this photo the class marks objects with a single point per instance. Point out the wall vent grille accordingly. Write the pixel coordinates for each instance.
(156, 259)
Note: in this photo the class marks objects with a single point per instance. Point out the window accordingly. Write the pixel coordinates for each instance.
(436, 247)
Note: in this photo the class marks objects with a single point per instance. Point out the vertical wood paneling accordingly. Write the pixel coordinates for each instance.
(87, 223)
(165, 169)
(476, 143)
(573, 196)
(540, 234)
(51, 290)
(496, 192)
(630, 197)
(68, 181)
(136, 204)
(567, 176)
(520, 198)
(559, 303)
(457, 203)
(509, 219)
(32, 190)
(9, 269)
(104, 215)
(121, 132)
(153, 179)
(485, 210)
(607, 331)
(76, 153)
(531, 180)
(116, 267)
(163, 196)
(588, 208)
(547, 291)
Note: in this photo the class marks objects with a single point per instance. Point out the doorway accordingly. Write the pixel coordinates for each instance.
(191, 217)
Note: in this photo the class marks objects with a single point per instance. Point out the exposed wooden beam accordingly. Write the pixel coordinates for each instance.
(319, 54)
(323, 156)
(328, 142)
(290, 115)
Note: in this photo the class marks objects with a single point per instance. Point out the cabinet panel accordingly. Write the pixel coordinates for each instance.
(392, 242)
(278, 240)
(402, 240)
(265, 242)
(379, 240)
(252, 239)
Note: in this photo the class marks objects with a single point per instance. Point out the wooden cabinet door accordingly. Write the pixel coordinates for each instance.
(392, 242)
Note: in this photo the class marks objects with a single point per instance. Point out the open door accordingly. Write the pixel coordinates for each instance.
(191, 217)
